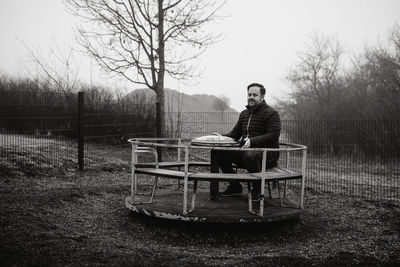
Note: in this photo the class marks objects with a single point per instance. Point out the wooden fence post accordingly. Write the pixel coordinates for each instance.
(81, 134)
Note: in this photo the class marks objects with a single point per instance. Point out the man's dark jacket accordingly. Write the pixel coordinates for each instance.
(262, 125)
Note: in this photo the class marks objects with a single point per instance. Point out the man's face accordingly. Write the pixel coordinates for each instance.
(254, 96)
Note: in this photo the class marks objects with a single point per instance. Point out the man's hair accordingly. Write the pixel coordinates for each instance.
(259, 85)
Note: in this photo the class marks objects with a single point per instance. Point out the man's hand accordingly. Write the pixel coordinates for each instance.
(246, 143)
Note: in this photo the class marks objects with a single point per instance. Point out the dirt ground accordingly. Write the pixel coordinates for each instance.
(81, 219)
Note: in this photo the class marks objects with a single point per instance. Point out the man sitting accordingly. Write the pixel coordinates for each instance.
(258, 126)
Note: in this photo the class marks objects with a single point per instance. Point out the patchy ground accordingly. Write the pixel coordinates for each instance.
(80, 219)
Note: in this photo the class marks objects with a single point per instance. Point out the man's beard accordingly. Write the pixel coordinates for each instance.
(251, 102)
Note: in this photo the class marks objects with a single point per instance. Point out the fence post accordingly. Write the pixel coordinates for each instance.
(80, 131)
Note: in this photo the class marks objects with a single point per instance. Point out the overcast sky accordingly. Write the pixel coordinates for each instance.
(262, 39)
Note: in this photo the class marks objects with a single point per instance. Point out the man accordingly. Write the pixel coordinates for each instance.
(259, 126)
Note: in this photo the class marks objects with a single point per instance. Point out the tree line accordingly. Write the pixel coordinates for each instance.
(31, 105)
(323, 88)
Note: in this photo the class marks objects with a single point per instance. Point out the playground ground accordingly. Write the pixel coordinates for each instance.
(80, 219)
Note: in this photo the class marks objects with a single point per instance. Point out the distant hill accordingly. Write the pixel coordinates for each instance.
(175, 100)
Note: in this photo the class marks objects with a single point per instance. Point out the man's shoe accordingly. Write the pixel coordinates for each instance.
(255, 196)
(232, 191)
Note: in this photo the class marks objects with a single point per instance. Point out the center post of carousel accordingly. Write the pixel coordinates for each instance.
(157, 190)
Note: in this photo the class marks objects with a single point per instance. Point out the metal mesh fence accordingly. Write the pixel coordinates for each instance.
(194, 124)
(106, 136)
(38, 137)
(348, 157)
(36, 130)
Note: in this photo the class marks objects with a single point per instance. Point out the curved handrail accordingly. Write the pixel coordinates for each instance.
(154, 139)
(146, 141)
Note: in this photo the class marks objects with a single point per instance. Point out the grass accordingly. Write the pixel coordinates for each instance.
(70, 218)
(81, 220)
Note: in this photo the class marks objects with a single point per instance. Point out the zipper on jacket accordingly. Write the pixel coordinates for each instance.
(248, 124)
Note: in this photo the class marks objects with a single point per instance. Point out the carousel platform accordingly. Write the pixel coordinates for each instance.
(168, 205)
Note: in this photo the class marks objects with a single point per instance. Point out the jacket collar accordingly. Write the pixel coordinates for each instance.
(258, 106)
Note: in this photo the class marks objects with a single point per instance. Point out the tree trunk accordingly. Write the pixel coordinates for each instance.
(161, 73)
(160, 112)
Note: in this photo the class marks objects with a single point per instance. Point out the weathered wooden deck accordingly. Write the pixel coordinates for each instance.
(168, 205)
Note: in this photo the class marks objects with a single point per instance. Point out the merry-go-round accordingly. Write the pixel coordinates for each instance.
(179, 179)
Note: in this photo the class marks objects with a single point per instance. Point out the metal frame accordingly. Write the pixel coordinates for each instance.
(142, 145)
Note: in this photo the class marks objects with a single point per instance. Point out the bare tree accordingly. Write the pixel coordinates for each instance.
(316, 84)
(59, 69)
(143, 40)
(315, 76)
(384, 75)
(374, 81)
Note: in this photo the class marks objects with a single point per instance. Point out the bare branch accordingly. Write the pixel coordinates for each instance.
(142, 40)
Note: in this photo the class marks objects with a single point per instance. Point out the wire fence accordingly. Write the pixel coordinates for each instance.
(349, 157)
(37, 132)
(39, 137)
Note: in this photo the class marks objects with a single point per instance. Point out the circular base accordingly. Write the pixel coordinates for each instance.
(168, 205)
